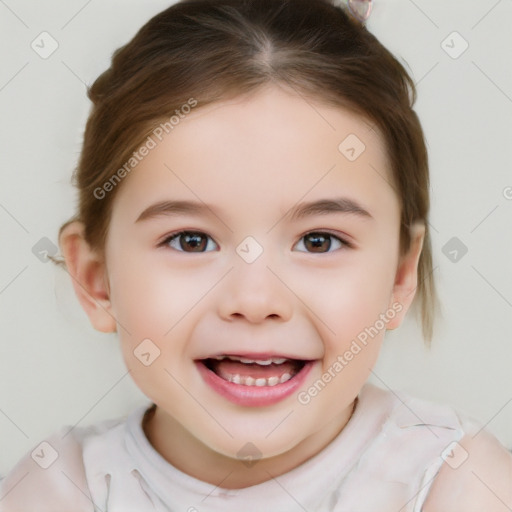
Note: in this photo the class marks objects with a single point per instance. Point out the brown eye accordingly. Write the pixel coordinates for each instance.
(321, 242)
(188, 241)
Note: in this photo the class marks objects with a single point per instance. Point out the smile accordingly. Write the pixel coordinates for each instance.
(254, 381)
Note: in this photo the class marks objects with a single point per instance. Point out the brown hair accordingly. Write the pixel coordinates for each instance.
(212, 50)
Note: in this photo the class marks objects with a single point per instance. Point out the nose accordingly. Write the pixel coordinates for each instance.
(255, 292)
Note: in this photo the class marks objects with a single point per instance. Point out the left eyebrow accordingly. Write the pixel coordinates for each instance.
(343, 205)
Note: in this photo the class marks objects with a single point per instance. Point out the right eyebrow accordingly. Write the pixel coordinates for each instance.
(169, 208)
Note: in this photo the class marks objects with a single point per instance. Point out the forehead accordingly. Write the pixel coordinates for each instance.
(270, 149)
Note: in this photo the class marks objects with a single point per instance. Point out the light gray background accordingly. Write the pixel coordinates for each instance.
(56, 370)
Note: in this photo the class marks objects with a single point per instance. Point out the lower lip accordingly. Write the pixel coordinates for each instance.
(253, 396)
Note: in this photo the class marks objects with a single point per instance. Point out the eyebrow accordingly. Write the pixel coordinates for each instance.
(343, 205)
(340, 205)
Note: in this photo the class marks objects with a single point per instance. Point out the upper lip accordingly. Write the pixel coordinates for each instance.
(258, 356)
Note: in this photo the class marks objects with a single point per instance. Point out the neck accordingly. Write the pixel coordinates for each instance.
(181, 449)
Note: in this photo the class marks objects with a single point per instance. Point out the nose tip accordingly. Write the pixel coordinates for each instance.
(253, 292)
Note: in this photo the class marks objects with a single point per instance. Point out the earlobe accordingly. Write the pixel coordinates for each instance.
(406, 278)
(89, 276)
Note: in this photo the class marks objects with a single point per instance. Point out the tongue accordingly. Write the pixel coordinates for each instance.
(226, 367)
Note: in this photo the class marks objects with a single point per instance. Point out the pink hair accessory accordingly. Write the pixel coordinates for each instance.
(359, 9)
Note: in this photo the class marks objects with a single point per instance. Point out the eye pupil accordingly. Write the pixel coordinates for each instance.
(192, 240)
(318, 240)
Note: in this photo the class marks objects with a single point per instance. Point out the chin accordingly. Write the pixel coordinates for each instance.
(247, 445)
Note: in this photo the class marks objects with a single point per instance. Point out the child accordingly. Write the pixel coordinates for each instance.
(253, 200)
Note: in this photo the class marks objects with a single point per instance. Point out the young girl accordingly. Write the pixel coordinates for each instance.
(254, 196)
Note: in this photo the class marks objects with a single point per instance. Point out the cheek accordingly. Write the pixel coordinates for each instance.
(348, 300)
(156, 304)
(153, 300)
(351, 328)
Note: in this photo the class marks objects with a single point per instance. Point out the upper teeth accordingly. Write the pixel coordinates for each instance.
(263, 362)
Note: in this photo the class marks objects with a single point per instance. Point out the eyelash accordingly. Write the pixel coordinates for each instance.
(172, 236)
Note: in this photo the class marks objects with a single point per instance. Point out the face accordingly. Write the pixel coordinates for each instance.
(307, 293)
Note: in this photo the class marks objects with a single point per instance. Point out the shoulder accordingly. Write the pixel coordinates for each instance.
(476, 476)
(457, 464)
(52, 475)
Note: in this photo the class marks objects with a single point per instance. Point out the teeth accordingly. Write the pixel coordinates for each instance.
(259, 382)
(262, 362)
(266, 362)
(242, 360)
(285, 377)
(272, 381)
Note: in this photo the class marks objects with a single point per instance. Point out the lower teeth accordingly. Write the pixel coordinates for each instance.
(260, 382)
(244, 380)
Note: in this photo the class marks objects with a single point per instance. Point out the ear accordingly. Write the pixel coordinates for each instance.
(406, 278)
(89, 276)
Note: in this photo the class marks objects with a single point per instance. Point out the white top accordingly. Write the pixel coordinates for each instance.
(385, 459)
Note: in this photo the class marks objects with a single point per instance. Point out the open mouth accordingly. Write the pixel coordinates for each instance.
(254, 372)
(254, 380)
